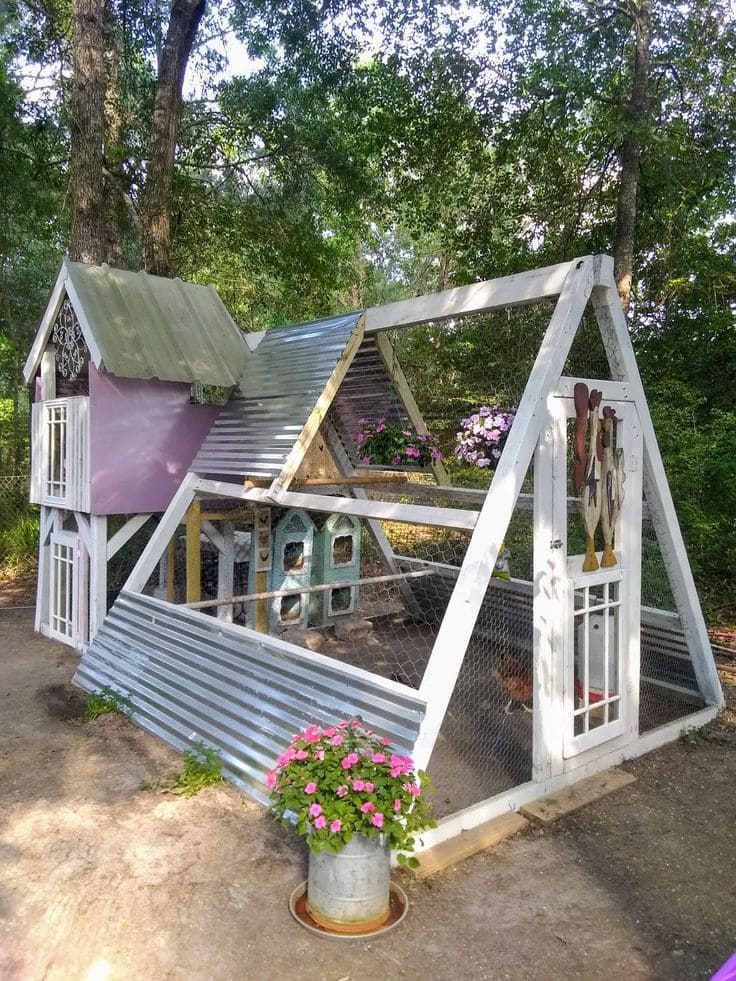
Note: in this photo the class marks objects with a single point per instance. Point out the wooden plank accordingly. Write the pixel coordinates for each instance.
(299, 590)
(464, 301)
(194, 553)
(316, 416)
(411, 514)
(171, 569)
(124, 534)
(468, 843)
(406, 396)
(570, 799)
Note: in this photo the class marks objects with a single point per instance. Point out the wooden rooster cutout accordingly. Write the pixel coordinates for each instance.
(612, 476)
(591, 491)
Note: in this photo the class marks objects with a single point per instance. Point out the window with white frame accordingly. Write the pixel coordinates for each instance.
(62, 598)
(56, 437)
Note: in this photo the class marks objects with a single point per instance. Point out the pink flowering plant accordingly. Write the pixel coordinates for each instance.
(343, 780)
(395, 444)
(483, 436)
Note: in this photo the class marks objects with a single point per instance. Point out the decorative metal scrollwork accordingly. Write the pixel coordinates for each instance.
(71, 351)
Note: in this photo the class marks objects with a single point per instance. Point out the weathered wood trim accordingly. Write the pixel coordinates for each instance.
(316, 417)
(194, 553)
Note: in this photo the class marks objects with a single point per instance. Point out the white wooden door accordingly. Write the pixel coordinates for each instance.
(600, 608)
(64, 586)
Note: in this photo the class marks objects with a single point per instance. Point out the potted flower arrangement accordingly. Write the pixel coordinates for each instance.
(483, 436)
(395, 444)
(354, 800)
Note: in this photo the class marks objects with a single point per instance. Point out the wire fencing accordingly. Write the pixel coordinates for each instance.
(19, 523)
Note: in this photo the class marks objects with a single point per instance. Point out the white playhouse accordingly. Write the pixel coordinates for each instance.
(505, 689)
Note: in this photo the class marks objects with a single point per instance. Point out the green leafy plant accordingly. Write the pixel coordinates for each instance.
(344, 780)
(202, 768)
(395, 444)
(104, 701)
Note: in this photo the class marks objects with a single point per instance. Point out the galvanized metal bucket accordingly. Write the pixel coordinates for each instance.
(348, 891)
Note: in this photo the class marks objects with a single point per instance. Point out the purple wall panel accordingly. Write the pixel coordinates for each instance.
(143, 436)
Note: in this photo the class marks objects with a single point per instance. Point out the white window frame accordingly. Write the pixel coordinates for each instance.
(70, 614)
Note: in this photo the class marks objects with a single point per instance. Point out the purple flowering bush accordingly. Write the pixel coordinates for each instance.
(344, 780)
(395, 444)
(482, 438)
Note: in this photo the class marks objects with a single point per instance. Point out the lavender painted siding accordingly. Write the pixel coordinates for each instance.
(143, 436)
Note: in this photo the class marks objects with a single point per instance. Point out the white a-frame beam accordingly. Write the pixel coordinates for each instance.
(622, 360)
(458, 624)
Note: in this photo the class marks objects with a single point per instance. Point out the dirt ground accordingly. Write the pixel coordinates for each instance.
(103, 880)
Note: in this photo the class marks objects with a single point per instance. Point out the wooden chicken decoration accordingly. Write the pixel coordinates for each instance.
(613, 476)
(598, 473)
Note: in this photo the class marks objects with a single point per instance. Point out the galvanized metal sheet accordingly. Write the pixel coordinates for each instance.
(279, 388)
(152, 327)
(190, 677)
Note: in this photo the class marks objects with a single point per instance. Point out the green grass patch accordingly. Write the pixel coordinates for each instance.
(202, 768)
(104, 701)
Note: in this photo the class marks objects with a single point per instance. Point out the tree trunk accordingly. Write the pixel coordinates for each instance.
(183, 25)
(87, 238)
(630, 154)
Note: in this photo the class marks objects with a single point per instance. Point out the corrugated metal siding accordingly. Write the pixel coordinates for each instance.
(279, 389)
(191, 677)
(367, 392)
(152, 327)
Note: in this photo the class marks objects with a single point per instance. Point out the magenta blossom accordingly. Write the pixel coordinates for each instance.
(367, 807)
(310, 788)
(315, 810)
(320, 822)
(301, 754)
(377, 819)
(336, 826)
(319, 754)
(369, 788)
(341, 790)
(337, 740)
(359, 785)
(412, 789)
(350, 760)
(378, 758)
(397, 804)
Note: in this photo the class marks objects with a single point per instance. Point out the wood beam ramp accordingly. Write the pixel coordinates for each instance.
(545, 811)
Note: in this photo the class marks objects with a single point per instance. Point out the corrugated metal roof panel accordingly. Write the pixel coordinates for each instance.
(152, 327)
(191, 677)
(279, 388)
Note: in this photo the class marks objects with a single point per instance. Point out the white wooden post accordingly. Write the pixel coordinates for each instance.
(462, 611)
(167, 526)
(97, 572)
(623, 364)
(44, 560)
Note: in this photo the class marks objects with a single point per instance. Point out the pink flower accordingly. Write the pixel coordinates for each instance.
(310, 787)
(355, 723)
(343, 725)
(336, 826)
(320, 822)
(330, 732)
(301, 754)
(378, 758)
(271, 779)
(377, 819)
(312, 734)
(319, 754)
(350, 760)
(315, 810)
(385, 742)
(397, 804)
(366, 460)
(367, 807)
(412, 789)
(341, 790)
(359, 785)
(401, 765)
(369, 788)
(336, 740)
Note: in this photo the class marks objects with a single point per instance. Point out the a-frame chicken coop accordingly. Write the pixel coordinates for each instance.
(597, 633)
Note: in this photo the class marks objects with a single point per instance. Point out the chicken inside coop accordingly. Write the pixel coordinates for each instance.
(514, 677)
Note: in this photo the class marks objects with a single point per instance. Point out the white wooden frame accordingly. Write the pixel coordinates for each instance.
(574, 284)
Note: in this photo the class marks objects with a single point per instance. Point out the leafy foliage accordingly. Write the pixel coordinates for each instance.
(103, 702)
(395, 444)
(344, 780)
(202, 768)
